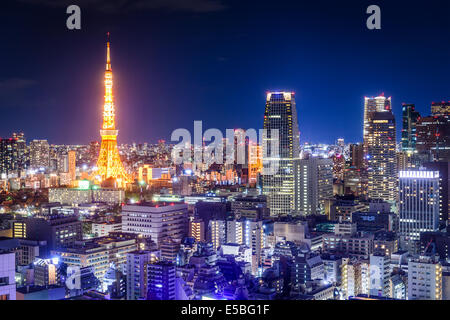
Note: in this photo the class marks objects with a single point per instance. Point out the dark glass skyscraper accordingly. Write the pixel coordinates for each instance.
(8, 156)
(279, 186)
(409, 120)
(433, 136)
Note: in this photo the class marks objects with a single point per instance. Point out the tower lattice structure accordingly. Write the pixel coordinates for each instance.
(109, 163)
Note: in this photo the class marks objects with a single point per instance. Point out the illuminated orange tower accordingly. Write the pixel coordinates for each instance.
(109, 164)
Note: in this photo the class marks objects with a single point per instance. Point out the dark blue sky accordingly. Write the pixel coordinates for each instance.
(176, 61)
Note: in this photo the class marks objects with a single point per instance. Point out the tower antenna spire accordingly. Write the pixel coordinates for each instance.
(108, 55)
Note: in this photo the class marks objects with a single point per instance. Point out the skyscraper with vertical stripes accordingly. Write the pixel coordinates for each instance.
(280, 122)
(381, 158)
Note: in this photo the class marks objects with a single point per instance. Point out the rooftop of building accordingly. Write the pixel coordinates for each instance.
(386, 236)
(152, 204)
(106, 222)
(33, 289)
(84, 246)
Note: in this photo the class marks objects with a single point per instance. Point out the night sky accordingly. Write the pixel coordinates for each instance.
(176, 61)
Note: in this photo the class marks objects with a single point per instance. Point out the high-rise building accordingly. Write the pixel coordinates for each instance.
(253, 237)
(156, 221)
(380, 144)
(217, 232)
(21, 150)
(418, 203)
(357, 155)
(280, 117)
(315, 184)
(235, 231)
(433, 137)
(62, 162)
(424, 279)
(440, 108)
(374, 104)
(72, 160)
(409, 120)
(39, 154)
(254, 162)
(380, 273)
(444, 187)
(352, 282)
(137, 277)
(197, 230)
(109, 164)
(9, 157)
(161, 281)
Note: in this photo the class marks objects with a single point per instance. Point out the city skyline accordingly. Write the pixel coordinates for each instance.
(337, 190)
(155, 69)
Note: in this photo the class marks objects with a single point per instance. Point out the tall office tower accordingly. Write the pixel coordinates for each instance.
(409, 120)
(419, 205)
(72, 160)
(424, 279)
(433, 137)
(371, 105)
(440, 108)
(380, 274)
(374, 104)
(137, 262)
(444, 187)
(407, 160)
(21, 150)
(315, 179)
(8, 156)
(381, 156)
(279, 186)
(109, 164)
(161, 281)
(217, 233)
(7, 275)
(156, 221)
(357, 155)
(39, 154)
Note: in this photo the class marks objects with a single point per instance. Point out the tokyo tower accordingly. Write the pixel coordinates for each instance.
(109, 165)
